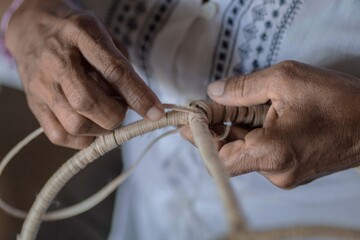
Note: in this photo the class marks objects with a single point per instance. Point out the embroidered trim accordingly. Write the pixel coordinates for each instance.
(285, 22)
(154, 23)
(255, 31)
(255, 43)
(227, 37)
(124, 19)
(113, 7)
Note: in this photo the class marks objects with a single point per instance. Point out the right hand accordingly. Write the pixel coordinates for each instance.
(77, 81)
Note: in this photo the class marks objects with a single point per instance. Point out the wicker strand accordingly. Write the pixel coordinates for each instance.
(206, 113)
(100, 146)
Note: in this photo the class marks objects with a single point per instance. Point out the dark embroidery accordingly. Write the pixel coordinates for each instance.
(153, 24)
(111, 12)
(259, 47)
(250, 31)
(227, 37)
(259, 13)
(286, 21)
(244, 49)
(126, 20)
(123, 19)
(249, 43)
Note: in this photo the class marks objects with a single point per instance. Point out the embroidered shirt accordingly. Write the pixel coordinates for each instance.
(179, 49)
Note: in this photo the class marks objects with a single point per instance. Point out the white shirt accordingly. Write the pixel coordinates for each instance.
(171, 196)
(179, 46)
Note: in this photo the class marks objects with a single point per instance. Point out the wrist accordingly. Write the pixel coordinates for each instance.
(16, 23)
(4, 4)
(29, 18)
(11, 7)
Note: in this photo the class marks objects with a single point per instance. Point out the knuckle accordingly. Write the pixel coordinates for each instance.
(47, 55)
(243, 86)
(117, 73)
(285, 182)
(85, 19)
(37, 108)
(81, 144)
(57, 94)
(33, 86)
(82, 103)
(238, 166)
(57, 137)
(289, 63)
(183, 134)
(238, 85)
(53, 42)
(286, 69)
(118, 116)
(32, 105)
(84, 26)
(282, 159)
(279, 165)
(135, 99)
(51, 59)
(243, 157)
(75, 125)
(63, 74)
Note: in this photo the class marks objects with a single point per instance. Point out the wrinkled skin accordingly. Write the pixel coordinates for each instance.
(79, 84)
(312, 128)
(77, 78)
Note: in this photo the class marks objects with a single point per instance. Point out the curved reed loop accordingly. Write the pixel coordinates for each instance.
(198, 116)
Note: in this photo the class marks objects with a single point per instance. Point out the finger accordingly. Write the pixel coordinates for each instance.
(73, 122)
(99, 80)
(90, 101)
(271, 117)
(119, 44)
(237, 159)
(245, 90)
(115, 68)
(248, 155)
(186, 134)
(224, 134)
(236, 133)
(105, 87)
(284, 181)
(55, 131)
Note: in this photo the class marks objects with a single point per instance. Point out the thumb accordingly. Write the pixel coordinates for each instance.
(245, 90)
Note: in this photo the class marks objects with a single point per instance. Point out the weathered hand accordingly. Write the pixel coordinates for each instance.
(78, 83)
(312, 128)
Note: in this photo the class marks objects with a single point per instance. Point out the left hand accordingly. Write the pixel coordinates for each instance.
(312, 128)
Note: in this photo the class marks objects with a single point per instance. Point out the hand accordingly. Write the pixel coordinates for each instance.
(312, 128)
(76, 77)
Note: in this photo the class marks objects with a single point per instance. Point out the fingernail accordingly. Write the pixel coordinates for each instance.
(216, 88)
(154, 113)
